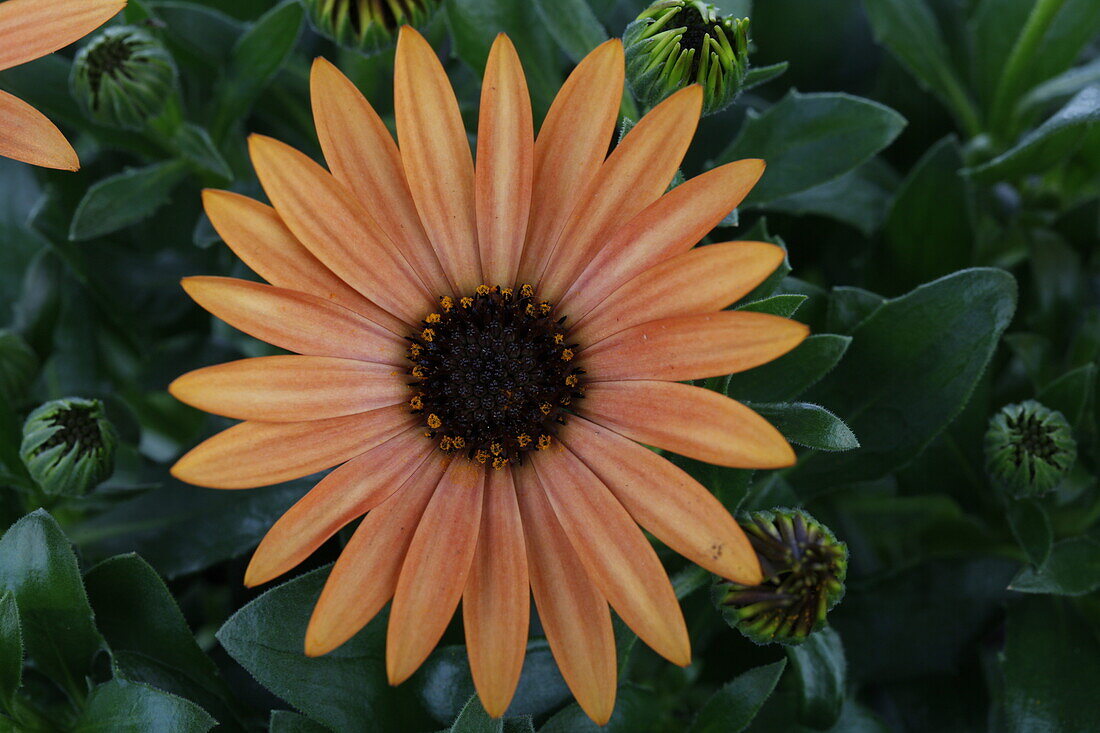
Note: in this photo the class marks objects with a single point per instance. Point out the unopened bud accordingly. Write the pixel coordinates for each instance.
(674, 43)
(68, 446)
(123, 77)
(1028, 449)
(18, 364)
(367, 25)
(804, 567)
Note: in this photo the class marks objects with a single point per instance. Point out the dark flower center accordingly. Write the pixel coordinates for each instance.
(1033, 437)
(78, 428)
(492, 374)
(109, 57)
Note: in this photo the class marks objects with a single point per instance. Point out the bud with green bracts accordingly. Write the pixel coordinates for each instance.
(804, 567)
(68, 446)
(1029, 448)
(367, 25)
(18, 365)
(123, 77)
(674, 43)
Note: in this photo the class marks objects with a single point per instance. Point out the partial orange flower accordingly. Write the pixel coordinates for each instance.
(485, 349)
(30, 29)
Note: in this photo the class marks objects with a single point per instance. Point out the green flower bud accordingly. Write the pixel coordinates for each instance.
(367, 25)
(1029, 448)
(123, 77)
(18, 364)
(674, 43)
(68, 446)
(804, 568)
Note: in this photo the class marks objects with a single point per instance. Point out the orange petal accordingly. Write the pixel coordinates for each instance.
(497, 599)
(435, 570)
(665, 500)
(337, 229)
(365, 575)
(571, 147)
(617, 556)
(291, 388)
(691, 421)
(295, 321)
(572, 611)
(259, 237)
(255, 454)
(692, 347)
(348, 492)
(669, 226)
(27, 136)
(362, 155)
(701, 280)
(31, 29)
(436, 154)
(634, 176)
(505, 152)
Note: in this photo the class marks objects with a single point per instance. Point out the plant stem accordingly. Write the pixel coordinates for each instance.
(1009, 86)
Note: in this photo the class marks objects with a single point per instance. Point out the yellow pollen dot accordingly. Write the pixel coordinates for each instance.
(416, 403)
(434, 422)
(523, 440)
(459, 442)
(572, 380)
(427, 334)
(566, 399)
(433, 318)
(481, 456)
(445, 443)
(506, 292)
(483, 290)
(531, 309)
(418, 371)
(566, 354)
(446, 303)
(544, 441)
(427, 433)
(545, 408)
(526, 290)
(545, 307)
(496, 449)
(559, 338)
(499, 463)
(467, 301)
(414, 351)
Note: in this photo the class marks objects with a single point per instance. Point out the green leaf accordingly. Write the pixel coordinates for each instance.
(791, 374)
(1047, 145)
(849, 307)
(635, 710)
(125, 198)
(821, 670)
(120, 706)
(1061, 87)
(1030, 525)
(1073, 569)
(341, 689)
(193, 143)
(783, 305)
(925, 247)
(911, 369)
(810, 425)
(259, 53)
(860, 197)
(11, 649)
(474, 25)
(148, 635)
(1051, 667)
(181, 529)
(284, 721)
(810, 139)
(38, 567)
(909, 30)
(995, 26)
(573, 25)
(759, 75)
(780, 714)
(444, 684)
(733, 707)
(474, 719)
(1072, 394)
(197, 35)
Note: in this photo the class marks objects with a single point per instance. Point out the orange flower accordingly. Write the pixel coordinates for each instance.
(30, 29)
(483, 348)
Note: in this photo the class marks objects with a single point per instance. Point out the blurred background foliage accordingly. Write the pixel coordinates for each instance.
(934, 171)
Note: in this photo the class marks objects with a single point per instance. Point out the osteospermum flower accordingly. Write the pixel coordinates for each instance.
(484, 349)
(30, 29)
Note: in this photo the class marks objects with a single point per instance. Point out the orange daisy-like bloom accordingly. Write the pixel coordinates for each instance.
(484, 348)
(30, 29)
